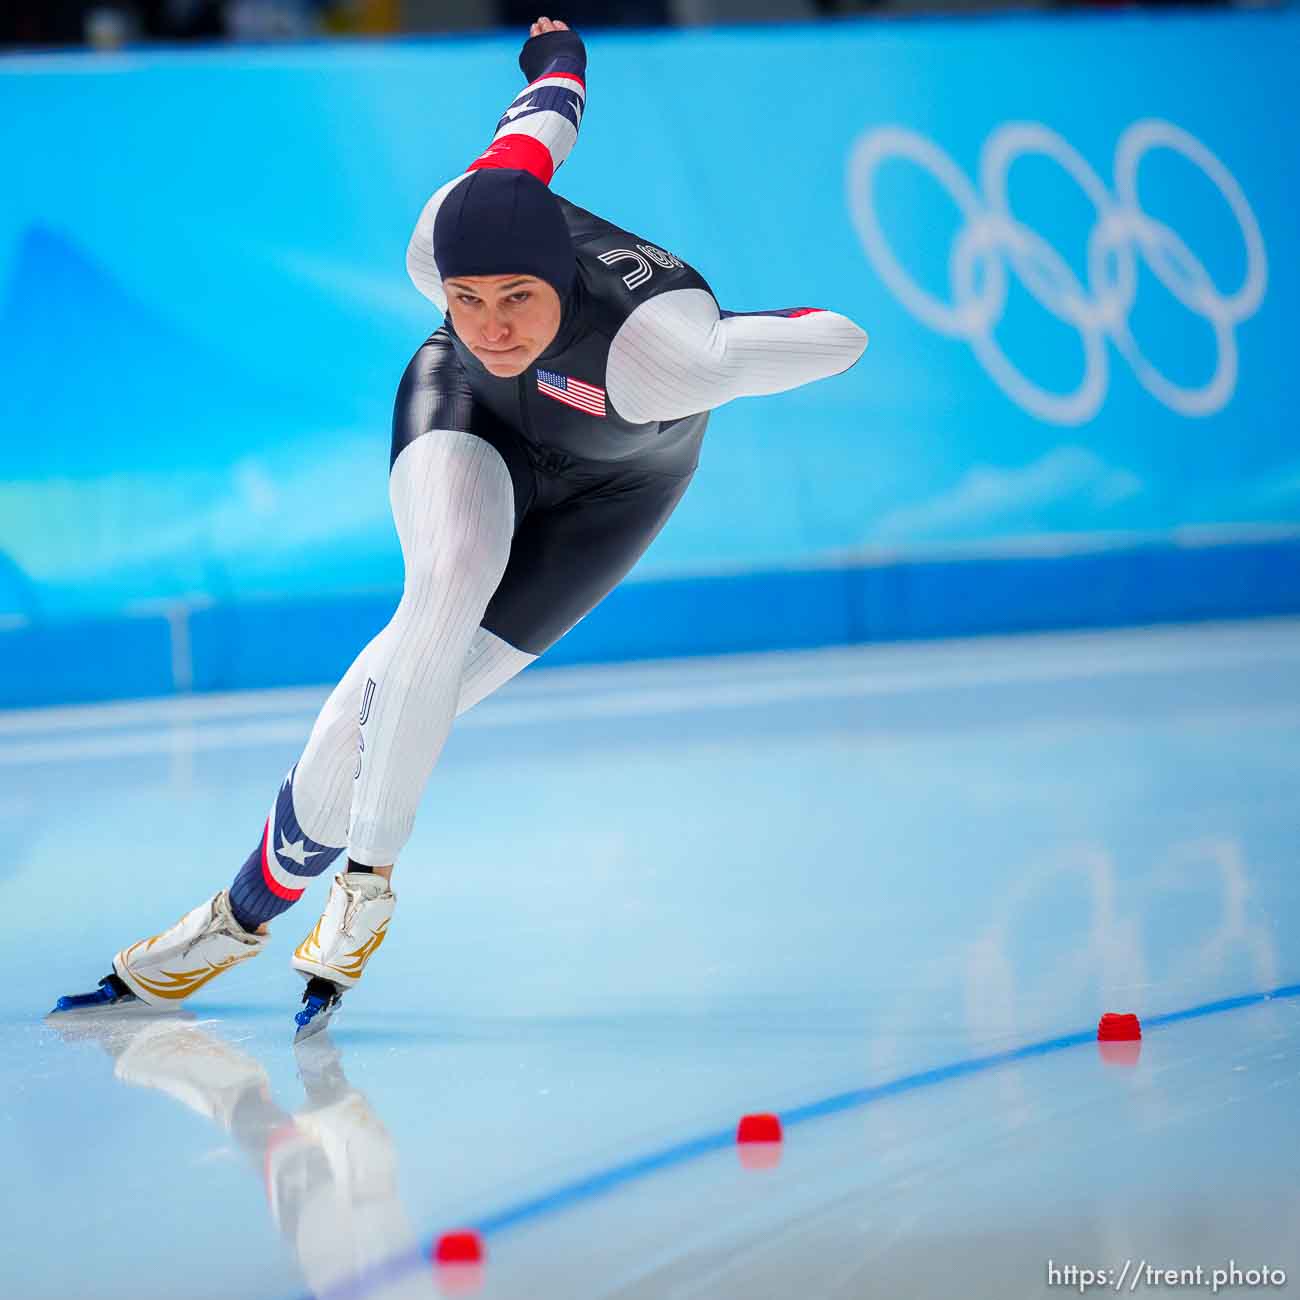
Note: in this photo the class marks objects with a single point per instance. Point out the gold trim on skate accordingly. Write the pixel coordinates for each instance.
(358, 957)
(312, 939)
(352, 963)
(180, 984)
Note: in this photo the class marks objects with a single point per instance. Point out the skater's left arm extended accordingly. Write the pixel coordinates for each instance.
(678, 353)
(535, 134)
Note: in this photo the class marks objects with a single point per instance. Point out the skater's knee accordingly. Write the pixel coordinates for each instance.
(463, 559)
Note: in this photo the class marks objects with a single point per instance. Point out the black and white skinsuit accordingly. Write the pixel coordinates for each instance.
(520, 503)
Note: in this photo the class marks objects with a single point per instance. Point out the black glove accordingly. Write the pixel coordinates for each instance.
(540, 52)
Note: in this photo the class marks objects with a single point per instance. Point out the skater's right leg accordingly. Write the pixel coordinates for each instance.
(308, 824)
(316, 797)
(454, 506)
(315, 802)
(438, 431)
(319, 794)
(324, 775)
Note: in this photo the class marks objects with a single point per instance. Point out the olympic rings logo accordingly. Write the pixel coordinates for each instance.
(993, 240)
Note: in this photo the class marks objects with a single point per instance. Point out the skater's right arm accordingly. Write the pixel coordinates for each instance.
(536, 134)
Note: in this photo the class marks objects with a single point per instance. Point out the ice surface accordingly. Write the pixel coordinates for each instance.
(643, 900)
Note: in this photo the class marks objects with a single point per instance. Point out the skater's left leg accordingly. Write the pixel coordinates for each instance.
(490, 664)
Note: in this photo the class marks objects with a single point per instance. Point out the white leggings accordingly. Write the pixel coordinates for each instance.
(358, 783)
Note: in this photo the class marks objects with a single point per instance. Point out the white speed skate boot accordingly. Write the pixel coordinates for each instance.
(158, 974)
(332, 957)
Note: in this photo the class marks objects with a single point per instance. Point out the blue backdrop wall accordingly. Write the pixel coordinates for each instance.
(1072, 240)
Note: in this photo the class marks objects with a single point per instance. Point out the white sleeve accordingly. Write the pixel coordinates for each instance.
(675, 356)
(420, 265)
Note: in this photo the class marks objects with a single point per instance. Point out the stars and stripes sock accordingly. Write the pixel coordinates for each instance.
(283, 864)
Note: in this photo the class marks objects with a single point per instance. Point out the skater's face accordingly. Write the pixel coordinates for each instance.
(506, 321)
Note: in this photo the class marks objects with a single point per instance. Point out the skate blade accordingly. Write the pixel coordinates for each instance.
(122, 1009)
(111, 995)
(314, 1019)
(316, 1025)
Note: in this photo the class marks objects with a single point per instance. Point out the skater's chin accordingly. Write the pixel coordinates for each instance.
(505, 362)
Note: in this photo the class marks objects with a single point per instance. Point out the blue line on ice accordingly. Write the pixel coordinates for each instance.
(630, 1171)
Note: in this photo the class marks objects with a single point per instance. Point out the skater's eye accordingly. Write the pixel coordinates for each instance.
(467, 299)
(522, 296)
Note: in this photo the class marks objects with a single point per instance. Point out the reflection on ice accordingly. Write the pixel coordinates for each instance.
(328, 1169)
(785, 879)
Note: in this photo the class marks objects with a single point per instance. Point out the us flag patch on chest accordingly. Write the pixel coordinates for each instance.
(572, 392)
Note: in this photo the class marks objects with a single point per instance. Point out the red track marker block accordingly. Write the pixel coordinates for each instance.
(1115, 1028)
(758, 1141)
(459, 1248)
(458, 1263)
(758, 1128)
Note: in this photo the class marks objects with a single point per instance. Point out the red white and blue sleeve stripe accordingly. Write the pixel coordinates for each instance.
(539, 129)
(536, 134)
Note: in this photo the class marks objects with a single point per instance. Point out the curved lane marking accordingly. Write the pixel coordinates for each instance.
(607, 1180)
